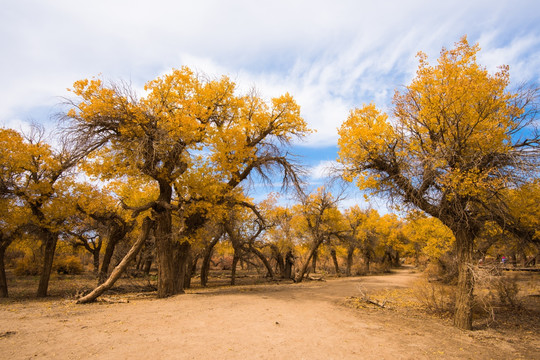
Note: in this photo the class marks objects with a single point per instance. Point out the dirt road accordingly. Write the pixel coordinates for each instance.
(294, 321)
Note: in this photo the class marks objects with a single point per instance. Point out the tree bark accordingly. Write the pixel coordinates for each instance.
(314, 261)
(463, 315)
(350, 256)
(279, 260)
(167, 251)
(147, 264)
(3, 279)
(182, 261)
(95, 255)
(191, 269)
(50, 240)
(335, 261)
(119, 270)
(289, 262)
(205, 266)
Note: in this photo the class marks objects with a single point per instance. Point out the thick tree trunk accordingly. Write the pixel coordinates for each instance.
(50, 240)
(119, 270)
(3, 279)
(289, 262)
(335, 261)
(463, 315)
(314, 261)
(279, 260)
(183, 262)
(167, 251)
(350, 255)
(205, 266)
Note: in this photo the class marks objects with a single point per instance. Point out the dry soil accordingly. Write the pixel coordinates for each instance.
(286, 321)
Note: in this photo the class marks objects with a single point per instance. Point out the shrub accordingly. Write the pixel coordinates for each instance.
(443, 269)
(27, 266)
(68, 265)
(435, 296)
(507, 290)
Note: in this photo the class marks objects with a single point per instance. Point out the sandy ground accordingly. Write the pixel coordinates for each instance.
(287, 321)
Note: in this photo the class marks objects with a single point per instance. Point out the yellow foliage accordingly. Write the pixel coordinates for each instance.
(447, 120)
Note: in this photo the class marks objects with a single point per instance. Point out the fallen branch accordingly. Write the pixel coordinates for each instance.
(119, 270)
(366, 298)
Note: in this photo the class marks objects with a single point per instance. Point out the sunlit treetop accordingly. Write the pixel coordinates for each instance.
(186, 128)
(452, 138)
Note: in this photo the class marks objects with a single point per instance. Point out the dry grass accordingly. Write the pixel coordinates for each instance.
(505, 303)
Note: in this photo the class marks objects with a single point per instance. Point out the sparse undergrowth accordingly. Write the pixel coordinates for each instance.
(507, 302)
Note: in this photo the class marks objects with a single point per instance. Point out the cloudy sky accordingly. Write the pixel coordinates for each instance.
(330, 55)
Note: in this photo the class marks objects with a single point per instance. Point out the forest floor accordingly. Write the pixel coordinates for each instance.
(311, 320)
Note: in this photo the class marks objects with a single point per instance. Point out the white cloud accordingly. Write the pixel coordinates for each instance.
(332, 56)
(322, 170)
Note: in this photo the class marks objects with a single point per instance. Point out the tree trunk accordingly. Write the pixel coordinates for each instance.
(463, 315)
(513, 259)
(335, 261)
(395, 260)
(191, 269)
(417, 255)
(205, 266)
(147, 264)
(264, 260)
(95, 254)
(119, 270)
(289, 262)
(367, 261)
(279, 260)
(314, 261)
(3, 279)
(304, 268)
(50, 240)
(350, 255)
(236, 257)
(167, 251)
(183, 262)
(107, 257)
(139, 261)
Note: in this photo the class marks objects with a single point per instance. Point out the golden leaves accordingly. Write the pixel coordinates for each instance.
(450, 132)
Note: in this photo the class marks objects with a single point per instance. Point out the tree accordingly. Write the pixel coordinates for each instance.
(39, 178)
(13, 215)
(426, 236)
(159, 139)
(280, 236)
(12, 222)
(362, 234)
(457, 139)
(319, 219)
(100, 217)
